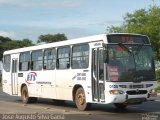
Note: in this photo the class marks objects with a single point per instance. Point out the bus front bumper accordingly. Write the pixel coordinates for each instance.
(129, 99)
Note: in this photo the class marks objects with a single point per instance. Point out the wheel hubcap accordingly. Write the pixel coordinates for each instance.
(81, 99)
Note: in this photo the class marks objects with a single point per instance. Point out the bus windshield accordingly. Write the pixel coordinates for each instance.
(130, 63)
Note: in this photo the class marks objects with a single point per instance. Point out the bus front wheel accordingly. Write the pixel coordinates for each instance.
(80, 100)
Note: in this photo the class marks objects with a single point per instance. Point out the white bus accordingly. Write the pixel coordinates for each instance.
(102, 69)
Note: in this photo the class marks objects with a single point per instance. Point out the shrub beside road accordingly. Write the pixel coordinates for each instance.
(159, 87)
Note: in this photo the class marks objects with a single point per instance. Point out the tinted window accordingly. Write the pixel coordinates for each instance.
(63, 58)
(37, 60)
(24, 61)
(49, 59)
(80, 56)
(7, 63)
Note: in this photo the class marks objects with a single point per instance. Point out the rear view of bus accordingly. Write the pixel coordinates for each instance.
(130, 76)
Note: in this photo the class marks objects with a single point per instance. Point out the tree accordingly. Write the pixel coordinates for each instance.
(52, 38)
(8, 44)
(2, 41)
(143, 21)
(26, 43)
(14, 44)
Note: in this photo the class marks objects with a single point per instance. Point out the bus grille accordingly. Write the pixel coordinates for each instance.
(136, 92)
(136, 86)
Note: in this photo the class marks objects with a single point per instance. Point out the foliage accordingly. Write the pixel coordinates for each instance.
(159, 87)
(115, 29)
(4, 39)
(158, 75)
(52, 38)
(158, 78)
(8, 44)
(143, 21)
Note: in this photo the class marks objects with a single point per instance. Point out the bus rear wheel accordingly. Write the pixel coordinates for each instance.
(25, 96)
(80, 100)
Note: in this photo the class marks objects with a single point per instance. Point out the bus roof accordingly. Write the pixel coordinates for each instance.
(65, 43)
(58, 44)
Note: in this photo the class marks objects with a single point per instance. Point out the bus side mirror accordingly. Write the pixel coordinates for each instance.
(105, 56)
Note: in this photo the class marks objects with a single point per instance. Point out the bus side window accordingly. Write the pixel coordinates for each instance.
(63, 57)
(49, 59)
(7, 63)
(37, 60)
(80, 56)
(24, 61)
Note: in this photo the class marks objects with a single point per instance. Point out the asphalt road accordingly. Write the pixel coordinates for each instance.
(11, 108)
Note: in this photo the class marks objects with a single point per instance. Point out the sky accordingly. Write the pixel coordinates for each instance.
(20, 19)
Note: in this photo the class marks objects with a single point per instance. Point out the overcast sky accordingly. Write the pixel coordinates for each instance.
(21, 19)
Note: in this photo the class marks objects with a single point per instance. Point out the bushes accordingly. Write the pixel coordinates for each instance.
(158, 87)
(158, 75)
(158, 78)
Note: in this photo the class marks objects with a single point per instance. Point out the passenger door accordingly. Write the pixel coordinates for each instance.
(98, 83)
(14, 77)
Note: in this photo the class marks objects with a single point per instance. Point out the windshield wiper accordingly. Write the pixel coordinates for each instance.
(124, 47)
(138, 48)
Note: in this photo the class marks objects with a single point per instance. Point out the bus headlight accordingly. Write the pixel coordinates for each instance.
(116, 92)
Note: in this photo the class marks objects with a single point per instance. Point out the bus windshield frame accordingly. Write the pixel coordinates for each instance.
(130, 63)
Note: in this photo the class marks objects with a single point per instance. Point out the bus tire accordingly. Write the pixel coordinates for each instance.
(80, 100)
(120, 105)
(25, 96)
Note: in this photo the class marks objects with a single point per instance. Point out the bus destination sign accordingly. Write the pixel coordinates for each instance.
(127, 38)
